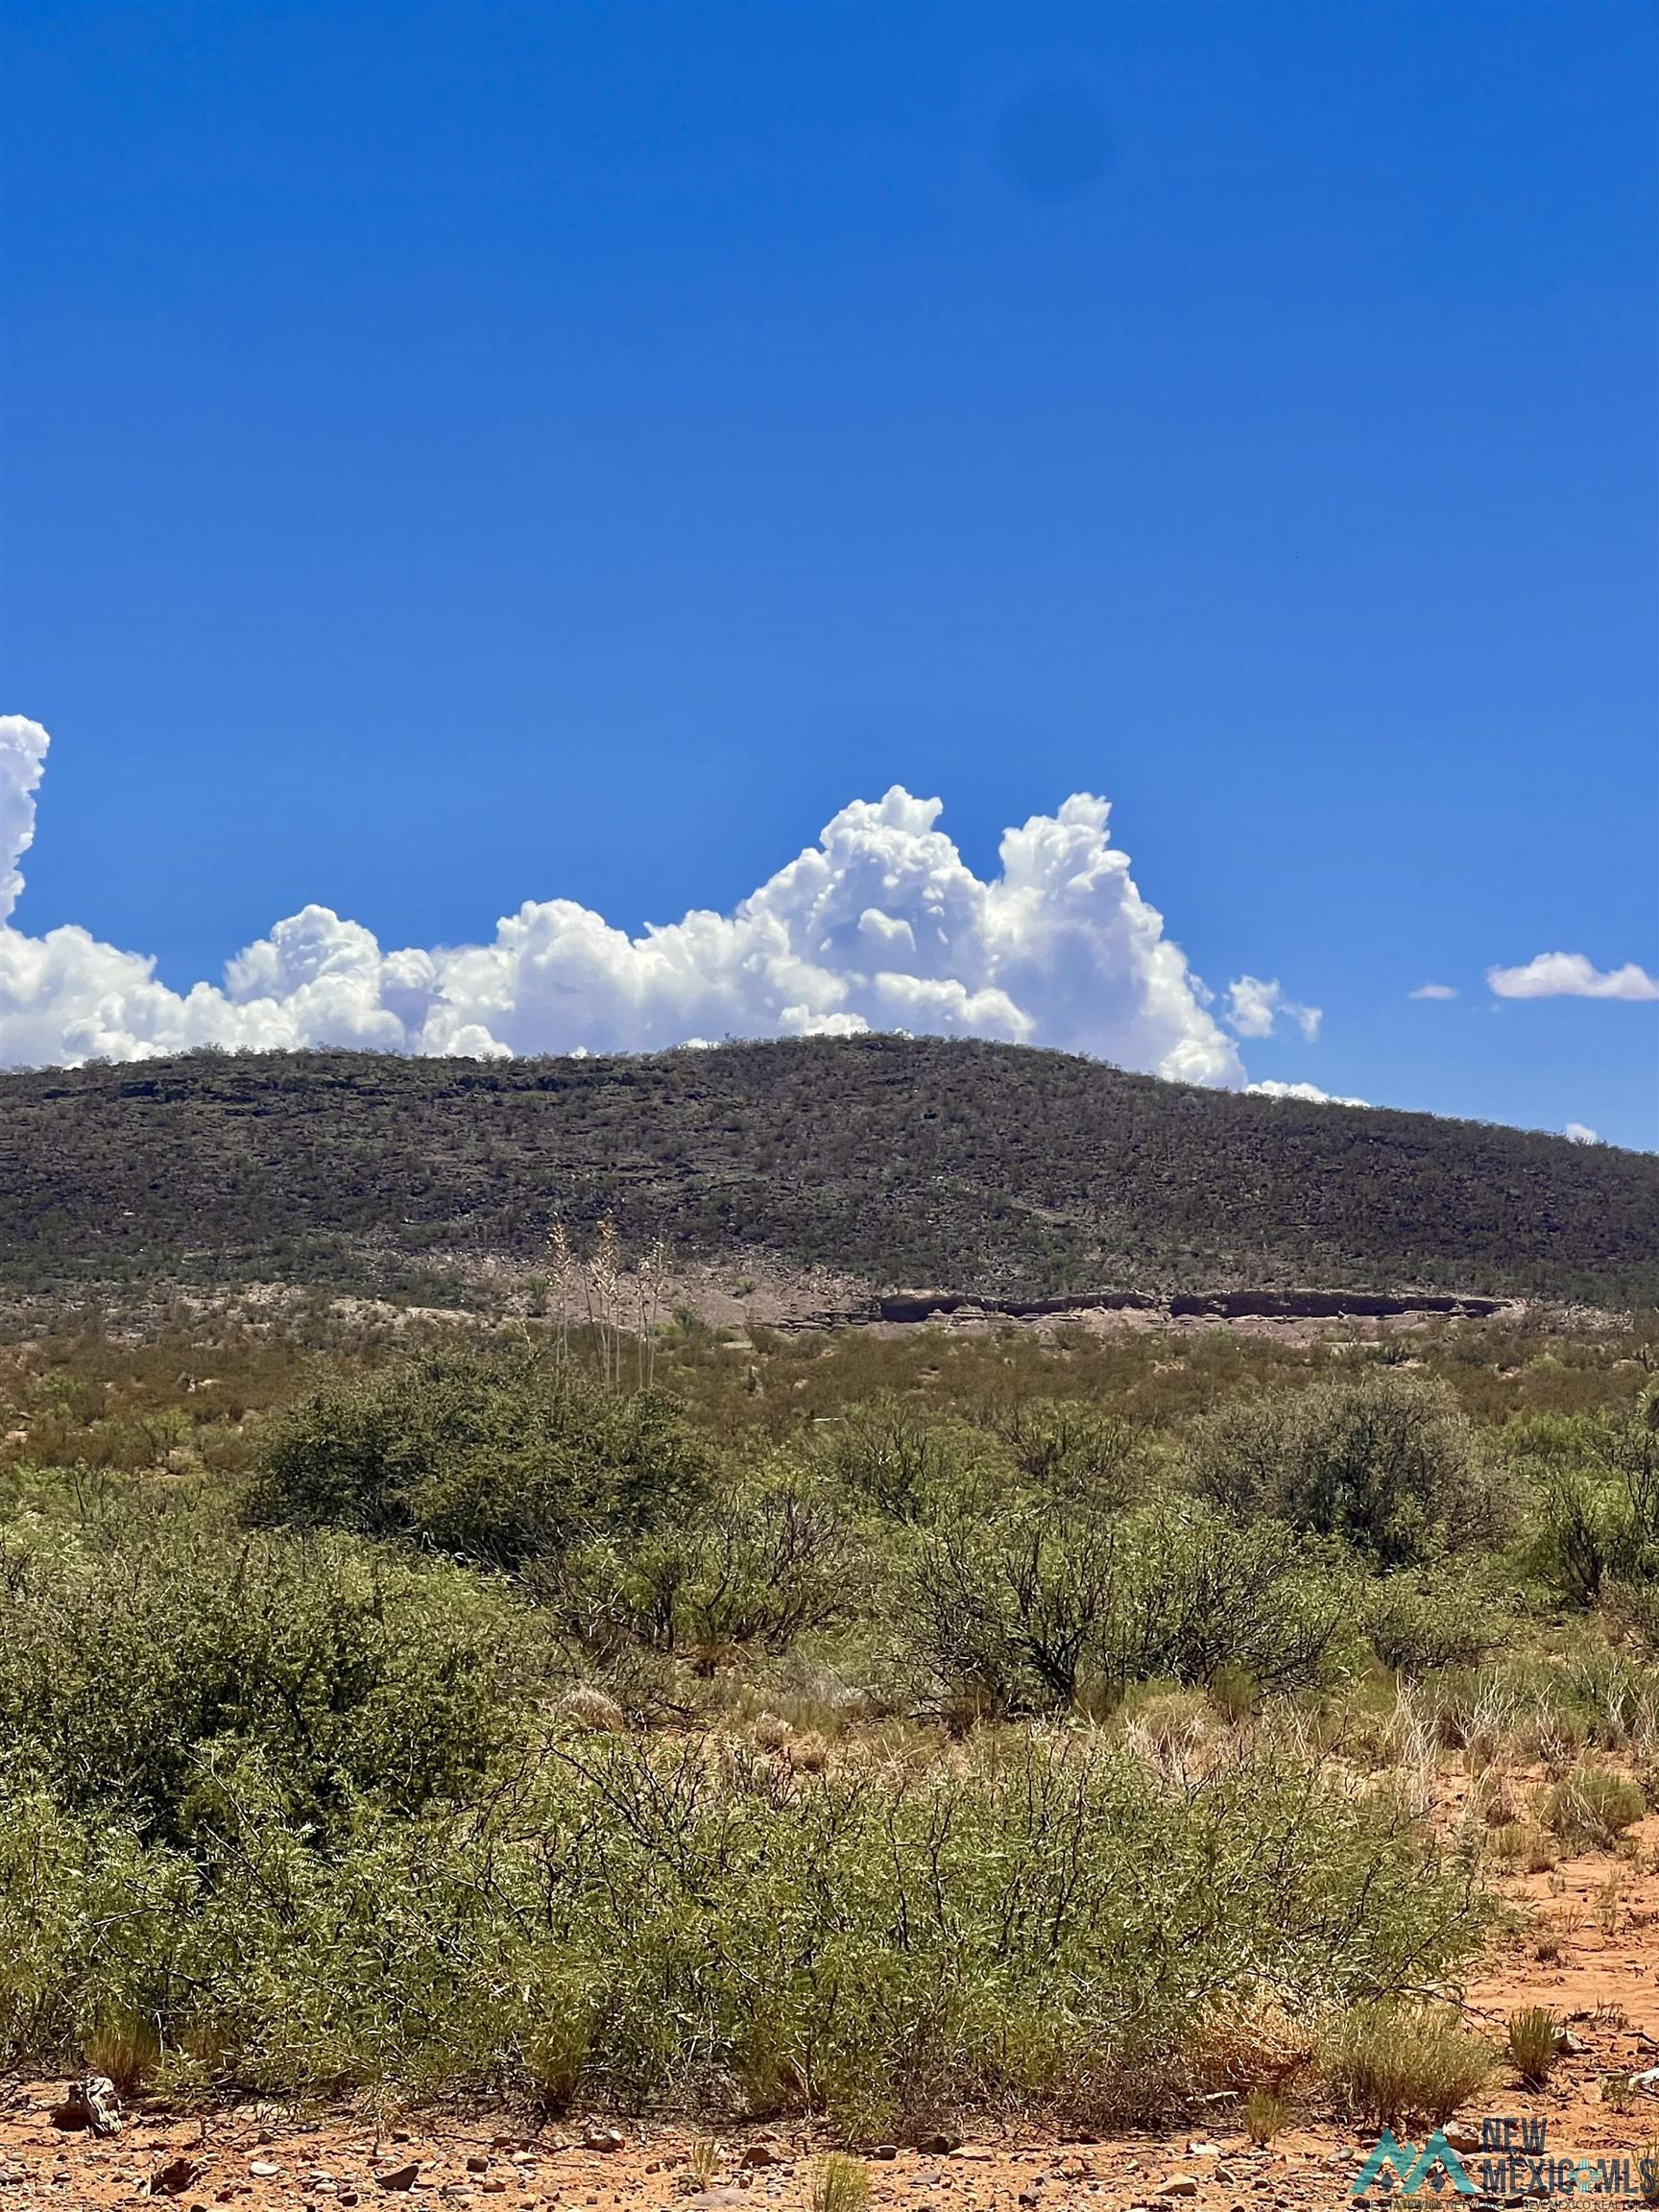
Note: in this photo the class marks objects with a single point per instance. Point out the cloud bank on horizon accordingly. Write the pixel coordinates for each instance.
(881, 925)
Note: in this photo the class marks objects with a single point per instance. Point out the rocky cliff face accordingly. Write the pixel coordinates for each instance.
(907, 1307)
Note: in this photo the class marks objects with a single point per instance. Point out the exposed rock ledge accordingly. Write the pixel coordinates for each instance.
(901, 1306)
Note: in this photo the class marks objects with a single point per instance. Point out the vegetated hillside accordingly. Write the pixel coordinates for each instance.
(977, 1167)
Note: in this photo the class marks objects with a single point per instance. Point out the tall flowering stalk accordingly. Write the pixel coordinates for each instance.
(604, 1274)
(615, 1310)
(562, 1266)
(649, 1278)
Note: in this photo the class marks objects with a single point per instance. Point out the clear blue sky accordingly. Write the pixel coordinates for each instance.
(461, 454)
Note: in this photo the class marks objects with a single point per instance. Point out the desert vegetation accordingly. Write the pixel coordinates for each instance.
(882, 1730)
(972, 1166)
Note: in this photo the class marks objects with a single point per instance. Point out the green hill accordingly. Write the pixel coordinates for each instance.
(975, 1166)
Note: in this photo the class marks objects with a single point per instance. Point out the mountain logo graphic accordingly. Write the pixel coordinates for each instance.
(1404, 2164)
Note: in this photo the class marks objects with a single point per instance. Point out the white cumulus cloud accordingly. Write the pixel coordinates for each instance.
(880, 924)
(22, 761)
(1434, 991)
(1253, 1006)
(1580, 1133)
(1570, 976)
(1311, 1092)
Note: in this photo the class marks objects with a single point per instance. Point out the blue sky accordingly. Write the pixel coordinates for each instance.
(467, 454)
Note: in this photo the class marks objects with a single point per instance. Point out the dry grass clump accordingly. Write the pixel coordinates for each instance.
(1610, 1902)
(555, 2053)
(1523, 1849)
(590, 1708)
(1592, 1806)
(126, 2051)
(1169, 1725)
(839, 2183)
(1250, 2043)
(1487, 1727)
(1551, 1739)
(1408, 1749)
(1533, 2044)
(1394, 2062)
(1499, 1807)
(1263, 2115)
(809, 1753)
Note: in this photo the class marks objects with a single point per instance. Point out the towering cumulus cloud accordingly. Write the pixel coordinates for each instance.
(22, 760)
(879, 926)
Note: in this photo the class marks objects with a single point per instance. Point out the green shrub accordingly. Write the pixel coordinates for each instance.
(499, 1458)
(1074, 1453)
(1423, 1619)
(1588, 1538)
(1386, 1461)
(1592, 1806)
(1596, 1479)
(891, 1457)
(759, 1564)
(634, 1923)
(138, 1655)
(1026, 1610)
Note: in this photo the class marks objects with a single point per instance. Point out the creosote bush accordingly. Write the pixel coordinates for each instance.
(627, 1922)
(758, 1564)
(1424, 1620)
(1597, 1481)
(499, 1458)
(1041, 1606)
(142, 1654)
(1384, 1461)
(887, 1454)
(1071, 1453)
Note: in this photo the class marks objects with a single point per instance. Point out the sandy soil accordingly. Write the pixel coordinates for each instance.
(1588, 1946)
